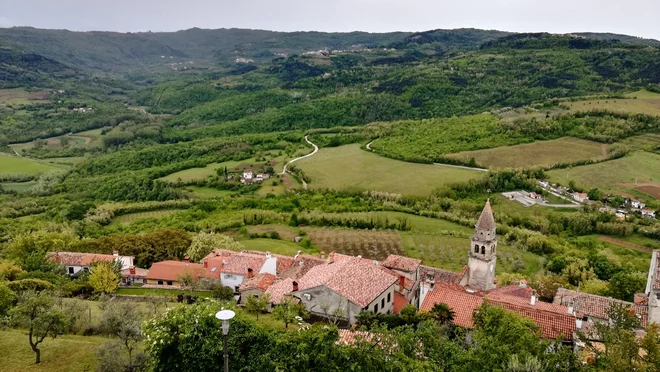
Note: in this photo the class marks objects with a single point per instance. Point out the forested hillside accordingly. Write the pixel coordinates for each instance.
(380, 144)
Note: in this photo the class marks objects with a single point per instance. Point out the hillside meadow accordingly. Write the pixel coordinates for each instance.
(15, 164)
(542, 153)
(350, 167)
(637, 170)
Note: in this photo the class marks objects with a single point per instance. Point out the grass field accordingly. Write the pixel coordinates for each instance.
(208, 192)
(646, 142)
(268, 188)
(451, 253)
(510, 207)
(543, 153)
(65, 353)
(19, 187)
(641, 168)
(195, 174)
(645, 103)
(15, 164)
(284, 247)
(128, 218)
(19, 96)
(417, 223)
(349, 166)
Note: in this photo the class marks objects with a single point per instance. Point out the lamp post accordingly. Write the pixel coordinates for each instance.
(225, 316)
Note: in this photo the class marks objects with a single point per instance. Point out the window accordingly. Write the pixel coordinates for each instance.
(70, 270)
(382, 303)
(160, 282)
(493, 249)
(145, 281)
(375, 308)
(169, 282)
(389, 298)
(214, 268)
(483, 249)
(476, 249)
(230, 276)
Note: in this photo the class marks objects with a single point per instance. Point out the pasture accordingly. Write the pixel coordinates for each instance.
(19, 96)
(19, 187)
(283, 247)
(128, 218)
(350, 167)
(207, 192)
(542, 153)
(641, 102)
(638, 171)
(15, 164)
(198, 174)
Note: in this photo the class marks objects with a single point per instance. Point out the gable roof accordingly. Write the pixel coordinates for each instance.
(279, 289)
(301, 265)
(80, 259)
(596, 306)
(239, 263)
(402, 263)
(461, 302)
(172, 270)
(428, 273)
(354, 279)
(259, 281)
(486, 220)
(139, 273)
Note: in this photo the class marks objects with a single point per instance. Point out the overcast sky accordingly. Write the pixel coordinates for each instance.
(632, 17)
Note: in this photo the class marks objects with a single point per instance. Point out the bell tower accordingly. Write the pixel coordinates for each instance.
(483, 252)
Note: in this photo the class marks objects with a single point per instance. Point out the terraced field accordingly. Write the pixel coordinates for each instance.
(642, 102)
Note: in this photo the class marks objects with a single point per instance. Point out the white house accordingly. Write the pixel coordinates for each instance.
(247, 175)
(76, 262)
(647, 213)
(580, 197)
(636, 204)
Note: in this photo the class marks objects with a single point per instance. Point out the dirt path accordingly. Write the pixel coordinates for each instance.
(316, 149)
(369, 146)
(625, 244)
(603, 151)
(461, 166)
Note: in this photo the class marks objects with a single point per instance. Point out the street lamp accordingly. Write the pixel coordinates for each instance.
(225, 316)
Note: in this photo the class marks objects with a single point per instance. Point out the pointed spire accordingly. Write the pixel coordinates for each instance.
(486, 220)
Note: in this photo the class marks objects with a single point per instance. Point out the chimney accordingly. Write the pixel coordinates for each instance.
(402, 283)
(359, 256)
(532, 300)
(268, 255)
(206, 264)
(641, 299)
(570, 308)
(579, 321)
(301, 262)
(187, 258)
(131, 270)
(115, 253)
(322, 255)
(523, 284)
(295, 287)
(250, 273)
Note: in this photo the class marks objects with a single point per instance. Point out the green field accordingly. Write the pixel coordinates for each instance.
(646, 142)
(208, 192)
(543, 153)
(18, 186)
(641, 168)
(196, 174)
(65, 353)
(645, 103)
(451, 253)
(283, 247)
(15, 164)
(349, 166)
(417, 223)
(128, 218)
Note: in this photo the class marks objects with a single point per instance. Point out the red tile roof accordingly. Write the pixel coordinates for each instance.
(79, 259)
(279, 289)
(400, 302)
(172, 270)
(301, 266)
(348, 337)
(428, 273)
(354, 279)
(139, 273)
(461, 302)
(259, 281)
(596, 306)
(283, 262)
(553, 319)
(239, 263)
(402, 263)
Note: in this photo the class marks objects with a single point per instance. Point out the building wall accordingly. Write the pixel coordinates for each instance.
(155, 282)
(270, 266)
(481, 273)
(231, 280)
(382, 300)
(76, 269)
(248, 293)
(126, 261)
(325, 297)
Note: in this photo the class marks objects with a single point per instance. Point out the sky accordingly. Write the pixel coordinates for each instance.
(631, 17)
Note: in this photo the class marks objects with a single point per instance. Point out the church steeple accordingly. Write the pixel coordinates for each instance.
(483, 251)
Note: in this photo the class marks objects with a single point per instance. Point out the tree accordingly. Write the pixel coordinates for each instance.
(104, 278)
(289, 310)
(203, 243)
(187, 281)
(442, 314)
(9, 271)
(409, 315)
(124, 321)
(35, 312)
(257, 304)
(7, 298)
(547, 286)
(625, 284)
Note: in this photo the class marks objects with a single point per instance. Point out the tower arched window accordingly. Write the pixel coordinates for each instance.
(483, 249)
(476, 248)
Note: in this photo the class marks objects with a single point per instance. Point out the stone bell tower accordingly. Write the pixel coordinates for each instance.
(483, 252)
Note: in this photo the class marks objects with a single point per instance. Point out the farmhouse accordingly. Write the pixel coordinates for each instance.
(636, 204)
(169, 273)
(76, 262)
(232, 268)
(255, 286)
(134, 275)
(580, 197)
(647, 213)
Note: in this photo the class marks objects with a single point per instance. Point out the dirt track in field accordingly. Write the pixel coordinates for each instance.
(625, 244)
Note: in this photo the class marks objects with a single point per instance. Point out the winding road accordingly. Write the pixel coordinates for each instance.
(368, 146)
(284, 169)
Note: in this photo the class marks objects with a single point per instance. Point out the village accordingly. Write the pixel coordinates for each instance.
(343, 287)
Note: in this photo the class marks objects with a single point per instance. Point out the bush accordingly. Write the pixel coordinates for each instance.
(36, 285)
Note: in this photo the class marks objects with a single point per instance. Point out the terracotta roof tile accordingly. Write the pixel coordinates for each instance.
(172, 270)
(596, 306)
(348, 337)
(428, 273)
(402, 263)
(552, 324)
(357, 281)
(461, 302)
(259, 281)
(139, 273)
(239, 263)
(301, 266)
(279, 289)
(399, 302)
(79, 259)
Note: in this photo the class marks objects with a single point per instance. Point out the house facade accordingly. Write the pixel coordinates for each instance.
(76, 262)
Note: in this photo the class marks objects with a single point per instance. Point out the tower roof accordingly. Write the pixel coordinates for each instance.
(486, 220)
